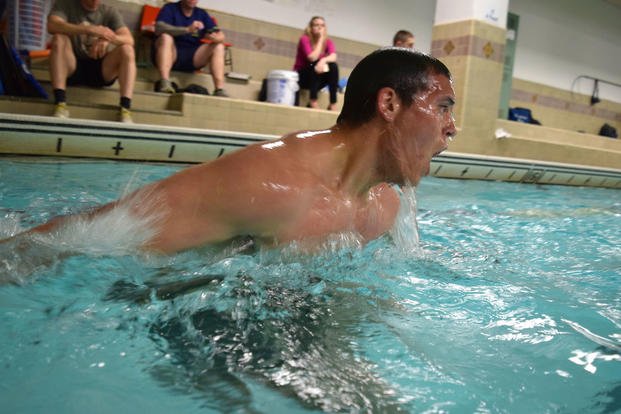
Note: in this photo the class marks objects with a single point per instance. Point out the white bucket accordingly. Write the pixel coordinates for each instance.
(282, 86)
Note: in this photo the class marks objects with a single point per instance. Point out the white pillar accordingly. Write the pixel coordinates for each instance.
(490, 11)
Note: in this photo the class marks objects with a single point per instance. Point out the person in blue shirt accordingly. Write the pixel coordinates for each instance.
(180, 29)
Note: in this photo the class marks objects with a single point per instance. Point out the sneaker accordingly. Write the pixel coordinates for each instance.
(125, 116)
(221, 93)
(61, 111)
(164, 86)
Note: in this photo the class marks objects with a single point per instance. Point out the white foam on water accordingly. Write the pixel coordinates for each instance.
(405, 230)
(115, 232)
(9, 226)
(120, 230)
(335, 242)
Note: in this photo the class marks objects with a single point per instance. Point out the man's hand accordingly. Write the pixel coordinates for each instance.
(215, 37)
(102, 32)
(195, 26)
(98, 49)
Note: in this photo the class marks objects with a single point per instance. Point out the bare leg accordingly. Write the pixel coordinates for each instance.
(212, 54)
(165, 54)
(62, 61)
(121, 63)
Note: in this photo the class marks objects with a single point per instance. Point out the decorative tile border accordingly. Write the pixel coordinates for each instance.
(247, 41)
(468, 45)
(271, 46)
(564, 105)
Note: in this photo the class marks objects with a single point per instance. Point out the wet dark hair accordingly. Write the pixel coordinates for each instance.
(404, 70)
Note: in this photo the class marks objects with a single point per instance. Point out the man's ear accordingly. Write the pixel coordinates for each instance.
(388, 104)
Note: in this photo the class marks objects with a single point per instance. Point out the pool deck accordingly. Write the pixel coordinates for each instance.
(188, 128)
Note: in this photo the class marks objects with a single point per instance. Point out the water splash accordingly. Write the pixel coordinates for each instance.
(116, 232)
(405, 231)
(9, 225)
(119, 230)
(331, 244)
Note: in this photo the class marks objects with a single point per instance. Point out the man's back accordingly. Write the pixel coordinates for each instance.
(276, 192)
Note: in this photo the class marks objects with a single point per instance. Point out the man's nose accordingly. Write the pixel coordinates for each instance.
(450, 130)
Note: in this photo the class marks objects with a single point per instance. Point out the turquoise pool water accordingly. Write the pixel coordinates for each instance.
(512, 305)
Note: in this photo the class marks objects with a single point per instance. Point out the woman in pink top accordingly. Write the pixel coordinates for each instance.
(315, 62)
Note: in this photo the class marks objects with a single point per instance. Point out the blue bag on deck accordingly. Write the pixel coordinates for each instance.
(520, 115)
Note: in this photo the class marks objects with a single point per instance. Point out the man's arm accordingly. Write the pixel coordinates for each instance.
(123, 37)
(215, 37)
(212, 31)
(57, 25)
(163, 27)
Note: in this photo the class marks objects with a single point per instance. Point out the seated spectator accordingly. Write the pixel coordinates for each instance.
(179, 28)
(315, 62)
(403, 38)
(91, 45)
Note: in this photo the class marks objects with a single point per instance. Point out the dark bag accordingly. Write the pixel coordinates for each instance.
(194, 88)
(608, 131)
(263, 91)
(15, 76)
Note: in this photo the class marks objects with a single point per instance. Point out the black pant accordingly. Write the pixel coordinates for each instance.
(313, 81)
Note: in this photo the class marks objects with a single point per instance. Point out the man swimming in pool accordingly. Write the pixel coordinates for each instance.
(306, 186)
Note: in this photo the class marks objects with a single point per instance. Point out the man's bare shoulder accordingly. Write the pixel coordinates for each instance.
(276, 153)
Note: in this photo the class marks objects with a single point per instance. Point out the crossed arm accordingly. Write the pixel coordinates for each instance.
(58, 25)
(163, 27)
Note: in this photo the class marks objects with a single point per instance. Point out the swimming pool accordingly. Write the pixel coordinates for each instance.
(512, 304)
(32, 135)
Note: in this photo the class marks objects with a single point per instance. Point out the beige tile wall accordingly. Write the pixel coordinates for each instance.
(274, 46)
(558, 108)
(551, 144)
(258, 46)
(247, 116)
(473, 52)
(474, 67)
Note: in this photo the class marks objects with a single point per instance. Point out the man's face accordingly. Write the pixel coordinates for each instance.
(423, 129)
(190, 4)
(407, 43)
(90, 5)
